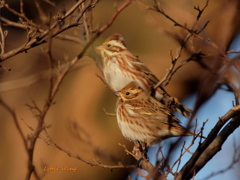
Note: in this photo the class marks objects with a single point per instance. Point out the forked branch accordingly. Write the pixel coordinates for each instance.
(212, 144)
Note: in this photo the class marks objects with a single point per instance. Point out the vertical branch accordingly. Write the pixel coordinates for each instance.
(2, 39)
(21, 7)
(31, 168)
(80, 55)
(52, 63)
(41, 114)
(85, 25)
(54, 87)
(200, 11)
(2, 34)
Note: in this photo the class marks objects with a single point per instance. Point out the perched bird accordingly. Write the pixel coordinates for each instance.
(142, 119)
(120, 67)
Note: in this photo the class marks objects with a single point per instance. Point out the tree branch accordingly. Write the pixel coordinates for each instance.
(194, 164)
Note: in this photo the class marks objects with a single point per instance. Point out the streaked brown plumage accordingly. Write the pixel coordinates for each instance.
(120, 67)
(143, 119)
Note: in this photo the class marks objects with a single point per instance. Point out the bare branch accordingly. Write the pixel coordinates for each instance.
(206, 149)
(200, 11)
(21, 14)
(144, 163)
(50, 142)
(58, 36)
(44, 36)
(3, 34)
(193, 32)
(54, 86)
(235, 160)
(118, 11)
(31, 167)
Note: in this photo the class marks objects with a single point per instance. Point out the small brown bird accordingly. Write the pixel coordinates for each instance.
(120, 67)
(142, 119)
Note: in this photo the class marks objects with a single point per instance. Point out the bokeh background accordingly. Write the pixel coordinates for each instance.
(78, 121)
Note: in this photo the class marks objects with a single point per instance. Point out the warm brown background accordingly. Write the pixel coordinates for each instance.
(83, 96)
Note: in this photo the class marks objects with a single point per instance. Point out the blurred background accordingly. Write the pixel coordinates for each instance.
(77, 120)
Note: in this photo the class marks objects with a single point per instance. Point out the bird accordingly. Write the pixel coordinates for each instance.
(120, 67)
(144, 120)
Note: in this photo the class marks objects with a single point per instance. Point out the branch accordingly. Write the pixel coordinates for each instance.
(50, 142)
(80, 55)
(206, 149)
(31, 167)
(54, 87)
(43, 37)
(70, 38)
(120, 9)
(186, 149)
(3, 34)
(144, 163)
(172, 70)
(193, 32)
(235, 160)
(21, 15)
(214, 147)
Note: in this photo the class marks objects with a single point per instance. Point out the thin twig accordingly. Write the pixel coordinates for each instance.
(109, 114)
(54, 89)
(193, 32)
(28, 149)
(50, 142)
(43, 37)
(2, 36)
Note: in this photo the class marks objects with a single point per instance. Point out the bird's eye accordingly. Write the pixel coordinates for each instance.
(109, 45)
(127, 93)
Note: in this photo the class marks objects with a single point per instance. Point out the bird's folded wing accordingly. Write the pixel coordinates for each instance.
(144, 69)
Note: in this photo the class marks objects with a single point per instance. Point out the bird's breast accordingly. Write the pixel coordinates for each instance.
(116, 77)
(118, 72)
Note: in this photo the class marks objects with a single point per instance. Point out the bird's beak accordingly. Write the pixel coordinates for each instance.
(99, 48)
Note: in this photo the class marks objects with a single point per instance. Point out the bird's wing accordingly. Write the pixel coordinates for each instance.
(141, 67)
(152, 110)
